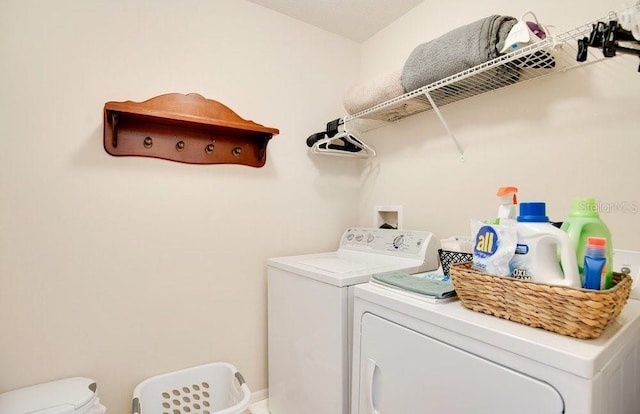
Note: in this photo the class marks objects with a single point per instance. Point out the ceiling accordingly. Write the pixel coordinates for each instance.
(354, 19)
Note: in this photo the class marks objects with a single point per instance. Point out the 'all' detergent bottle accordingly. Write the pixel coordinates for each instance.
(584, 222)
(536, 255)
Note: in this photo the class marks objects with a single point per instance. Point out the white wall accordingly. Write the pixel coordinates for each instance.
(573, 134)
(122, 268)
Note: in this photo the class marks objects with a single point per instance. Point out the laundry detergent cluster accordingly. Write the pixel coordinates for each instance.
(526, 245)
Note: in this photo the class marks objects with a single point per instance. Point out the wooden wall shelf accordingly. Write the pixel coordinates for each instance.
(184, 128)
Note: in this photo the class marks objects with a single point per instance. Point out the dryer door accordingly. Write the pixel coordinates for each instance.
(403, 371)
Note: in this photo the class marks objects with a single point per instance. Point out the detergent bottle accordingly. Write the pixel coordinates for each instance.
(536, 257)
(595, 259)
(584, 222)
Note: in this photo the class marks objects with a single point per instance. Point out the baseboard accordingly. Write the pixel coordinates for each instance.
(259, 402)
(259, 395)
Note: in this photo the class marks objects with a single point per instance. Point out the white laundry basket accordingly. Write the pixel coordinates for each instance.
(216, 388)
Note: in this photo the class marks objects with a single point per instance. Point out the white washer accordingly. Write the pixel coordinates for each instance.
(310, 303)
(411, 356)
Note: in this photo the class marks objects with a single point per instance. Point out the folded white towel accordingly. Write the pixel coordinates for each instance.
(373, 91)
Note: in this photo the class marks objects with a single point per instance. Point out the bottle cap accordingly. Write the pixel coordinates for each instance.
(584, 207)
(597, 241)
(508, 195)
(535, 212)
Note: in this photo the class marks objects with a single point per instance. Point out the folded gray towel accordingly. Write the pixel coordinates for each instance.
(456, 51)
(438, 289)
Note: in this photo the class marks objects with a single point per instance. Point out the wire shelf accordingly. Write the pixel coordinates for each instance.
(556, 53)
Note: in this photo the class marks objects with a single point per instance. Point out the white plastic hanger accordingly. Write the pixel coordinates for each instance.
(344, 144)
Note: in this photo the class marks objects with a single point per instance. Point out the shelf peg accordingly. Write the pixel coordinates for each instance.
(114, 129)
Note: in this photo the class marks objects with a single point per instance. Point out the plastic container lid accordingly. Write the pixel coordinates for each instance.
(597, 242)
(535, 212)
(59, 397)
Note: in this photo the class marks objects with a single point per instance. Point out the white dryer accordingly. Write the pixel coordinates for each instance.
(310, 310)
(411, 356)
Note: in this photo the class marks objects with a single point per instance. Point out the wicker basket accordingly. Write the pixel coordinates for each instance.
(579, 313)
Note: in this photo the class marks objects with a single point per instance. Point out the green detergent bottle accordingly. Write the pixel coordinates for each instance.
(583, 222)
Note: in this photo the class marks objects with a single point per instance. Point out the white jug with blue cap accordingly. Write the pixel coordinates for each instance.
(536, 256)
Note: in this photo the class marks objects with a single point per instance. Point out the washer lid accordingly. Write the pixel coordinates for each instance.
(343, 268)
(59, 397)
